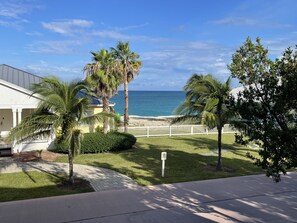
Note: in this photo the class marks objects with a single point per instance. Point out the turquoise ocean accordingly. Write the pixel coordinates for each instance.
(149, 103)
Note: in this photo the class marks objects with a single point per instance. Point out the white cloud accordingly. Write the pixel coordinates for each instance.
(242, 21)
(34, 33)
(110, 34)
(13, 10)
(68, 72)
(175, 63)
(11, 13)
(237, 21)
(16, 24)
(55, 47)
(277, 46)
(124, 28)
(201, 45)
(67, 27)
(179, 28)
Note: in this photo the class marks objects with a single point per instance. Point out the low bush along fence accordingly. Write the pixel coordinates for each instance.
(98, 142)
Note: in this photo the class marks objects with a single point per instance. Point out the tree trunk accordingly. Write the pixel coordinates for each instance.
(70, 160)
(105, 109)
(126, 115)
(219, 164)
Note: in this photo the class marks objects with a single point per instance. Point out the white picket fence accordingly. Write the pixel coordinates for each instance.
(174, 130)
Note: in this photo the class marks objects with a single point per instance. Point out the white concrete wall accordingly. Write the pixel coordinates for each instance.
(12, 97)
(34, 145)
(5, 120)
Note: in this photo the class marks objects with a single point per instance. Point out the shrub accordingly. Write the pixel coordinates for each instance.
(98, 142)
(60, 146)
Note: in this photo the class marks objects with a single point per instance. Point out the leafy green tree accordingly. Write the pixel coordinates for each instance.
(207, 102)
(267, 104)
(103, 75)
(130, 66)
(60, 110)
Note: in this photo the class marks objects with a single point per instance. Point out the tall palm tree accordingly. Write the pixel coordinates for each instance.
(60, 110)
(104, 77)
(130, 67)
(206, 102)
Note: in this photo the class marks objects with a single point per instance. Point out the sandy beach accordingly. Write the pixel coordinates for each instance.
(136, 120)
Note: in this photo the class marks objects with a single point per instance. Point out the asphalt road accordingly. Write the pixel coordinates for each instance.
(238, 199)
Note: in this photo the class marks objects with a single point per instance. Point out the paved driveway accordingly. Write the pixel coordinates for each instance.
(237, 199)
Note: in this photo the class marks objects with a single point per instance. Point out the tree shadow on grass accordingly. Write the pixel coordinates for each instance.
(212, 145)
(42, 185)
(181, 166)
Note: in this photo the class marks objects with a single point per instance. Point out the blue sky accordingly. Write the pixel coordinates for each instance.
(174, 38)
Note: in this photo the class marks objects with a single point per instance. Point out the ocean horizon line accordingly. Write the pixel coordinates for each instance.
(154, 90)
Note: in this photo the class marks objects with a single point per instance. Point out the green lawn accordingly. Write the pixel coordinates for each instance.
(27, 185)
(185, 159)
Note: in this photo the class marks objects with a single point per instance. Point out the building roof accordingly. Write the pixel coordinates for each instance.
(25, 80)
(94, 101)
(18, 77)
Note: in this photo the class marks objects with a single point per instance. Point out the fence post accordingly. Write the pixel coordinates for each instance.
(223, 130)
(206, 130)
(148, 132)
(170, 130)
(191, 130)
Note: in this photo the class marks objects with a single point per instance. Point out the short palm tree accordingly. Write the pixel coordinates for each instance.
(130, 67)
(60, 110)
(103, 75)
(206, 102)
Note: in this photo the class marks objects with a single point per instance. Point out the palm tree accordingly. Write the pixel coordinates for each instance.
(60, 110)
(130, 67)
(207, 102)
(104, 77)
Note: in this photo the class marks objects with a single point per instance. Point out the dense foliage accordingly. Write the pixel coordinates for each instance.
(267, 104)
(99, 142)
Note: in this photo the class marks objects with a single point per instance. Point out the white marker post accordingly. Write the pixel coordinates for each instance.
(163, 158)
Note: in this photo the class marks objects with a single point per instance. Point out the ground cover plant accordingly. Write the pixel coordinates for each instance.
(189, 158)
(28, 185)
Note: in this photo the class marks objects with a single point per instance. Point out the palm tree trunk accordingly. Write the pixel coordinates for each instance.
(126, 115)
(70, 160)
(219, 164)
(105, 109)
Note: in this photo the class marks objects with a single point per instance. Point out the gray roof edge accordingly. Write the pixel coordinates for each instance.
(21, 70)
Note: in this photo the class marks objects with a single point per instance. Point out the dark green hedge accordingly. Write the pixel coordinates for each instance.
(98, 142)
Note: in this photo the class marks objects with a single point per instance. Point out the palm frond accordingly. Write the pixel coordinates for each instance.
(206, 97)
(95, 118)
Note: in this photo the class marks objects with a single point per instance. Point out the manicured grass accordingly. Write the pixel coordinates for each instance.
(185, 159)
(27, 185)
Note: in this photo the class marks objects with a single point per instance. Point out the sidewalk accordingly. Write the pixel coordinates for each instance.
(99, 178)
(238, 199)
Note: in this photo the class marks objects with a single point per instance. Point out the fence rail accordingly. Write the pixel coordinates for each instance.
(174, 130)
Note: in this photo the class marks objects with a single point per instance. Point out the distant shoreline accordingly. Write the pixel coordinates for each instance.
(137, 120)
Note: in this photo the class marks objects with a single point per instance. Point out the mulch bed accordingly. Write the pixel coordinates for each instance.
(35, 156)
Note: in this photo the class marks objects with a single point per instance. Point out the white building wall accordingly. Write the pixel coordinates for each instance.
(5, 120)
(33, 145)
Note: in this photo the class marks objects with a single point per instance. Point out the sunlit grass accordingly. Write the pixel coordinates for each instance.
(189, 158)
